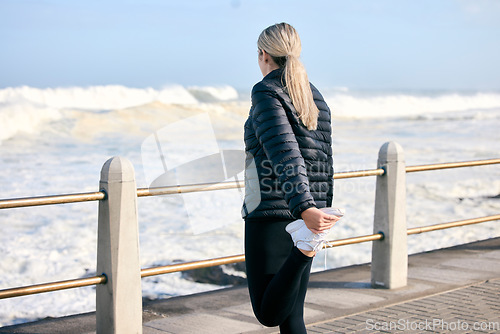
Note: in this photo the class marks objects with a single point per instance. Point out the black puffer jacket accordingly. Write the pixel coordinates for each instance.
(288, 168)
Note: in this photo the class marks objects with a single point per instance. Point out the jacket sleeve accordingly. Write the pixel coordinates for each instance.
(325, 121)
(329, 194)
(275, 135)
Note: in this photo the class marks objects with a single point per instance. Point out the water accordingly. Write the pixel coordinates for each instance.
(55, 141)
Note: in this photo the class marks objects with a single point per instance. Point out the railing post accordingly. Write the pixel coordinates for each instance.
(389, 266)
(119, 301)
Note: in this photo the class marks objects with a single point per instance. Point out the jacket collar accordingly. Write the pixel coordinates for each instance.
(278, 73)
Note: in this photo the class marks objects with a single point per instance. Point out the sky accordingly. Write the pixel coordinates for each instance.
(358, 44)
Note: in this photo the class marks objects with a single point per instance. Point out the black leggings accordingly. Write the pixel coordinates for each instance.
(277, 275)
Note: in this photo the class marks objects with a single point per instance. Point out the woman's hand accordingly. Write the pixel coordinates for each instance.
(318, 221)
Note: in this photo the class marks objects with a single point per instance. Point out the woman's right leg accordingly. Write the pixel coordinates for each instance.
(295, 321)
(277, 274)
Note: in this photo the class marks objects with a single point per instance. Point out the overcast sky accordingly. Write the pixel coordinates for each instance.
(374, 44)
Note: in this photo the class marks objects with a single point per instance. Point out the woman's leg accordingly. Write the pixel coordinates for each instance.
(277, 274)
(295, 321)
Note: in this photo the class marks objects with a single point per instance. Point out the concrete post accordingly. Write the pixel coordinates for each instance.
(119, 301)
(390, 256)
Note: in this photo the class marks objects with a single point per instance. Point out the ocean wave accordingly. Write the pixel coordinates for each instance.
(213, 94)
(23, 117)
(24, 109)
(408, 105)
(95, 97)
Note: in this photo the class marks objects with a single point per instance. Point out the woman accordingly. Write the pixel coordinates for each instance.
(288, 179)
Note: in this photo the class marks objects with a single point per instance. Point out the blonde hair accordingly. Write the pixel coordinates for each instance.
(282, 42)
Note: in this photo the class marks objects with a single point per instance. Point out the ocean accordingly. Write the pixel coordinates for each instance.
(55, 141)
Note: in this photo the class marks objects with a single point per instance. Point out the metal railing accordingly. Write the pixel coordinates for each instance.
(172, 268)
(144, 192)
(182, 189)
(382, 171)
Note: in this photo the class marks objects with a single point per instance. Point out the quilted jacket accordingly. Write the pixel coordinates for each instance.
(288, 168)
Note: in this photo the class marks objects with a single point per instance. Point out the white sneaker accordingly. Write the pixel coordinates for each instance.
(334, 211)
(305, 239)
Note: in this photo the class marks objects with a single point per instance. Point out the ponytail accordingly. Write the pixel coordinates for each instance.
(282, 42)
(300, 92)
